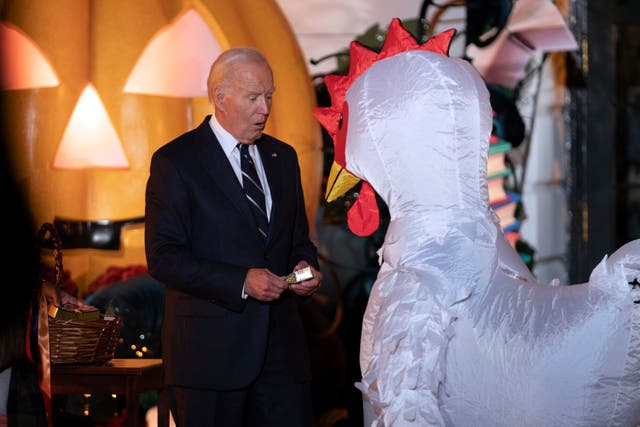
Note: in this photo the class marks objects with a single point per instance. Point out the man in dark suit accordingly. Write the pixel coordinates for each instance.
(232, 340)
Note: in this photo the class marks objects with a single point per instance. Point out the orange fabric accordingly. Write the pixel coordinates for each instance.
(44, 367)
(44, 364)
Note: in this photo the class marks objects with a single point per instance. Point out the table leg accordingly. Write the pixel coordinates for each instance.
(133, 405)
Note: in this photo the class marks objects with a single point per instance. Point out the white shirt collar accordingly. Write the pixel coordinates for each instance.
(226, 140)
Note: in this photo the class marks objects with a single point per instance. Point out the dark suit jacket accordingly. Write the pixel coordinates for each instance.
(200, 241)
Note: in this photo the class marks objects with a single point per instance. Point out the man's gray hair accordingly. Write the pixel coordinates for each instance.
(221, 71)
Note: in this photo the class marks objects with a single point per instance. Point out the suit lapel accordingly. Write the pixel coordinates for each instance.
(217, 166)
(272, 168)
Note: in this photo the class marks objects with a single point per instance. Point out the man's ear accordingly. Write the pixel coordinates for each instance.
(218, 99)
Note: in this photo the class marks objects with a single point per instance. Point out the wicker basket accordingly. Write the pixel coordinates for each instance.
(83, 341)
(78, 341)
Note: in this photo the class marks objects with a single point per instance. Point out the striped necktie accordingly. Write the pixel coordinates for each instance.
(253, 190)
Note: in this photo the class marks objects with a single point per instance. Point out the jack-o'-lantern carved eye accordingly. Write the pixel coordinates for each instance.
(24, 65)
(187, 45)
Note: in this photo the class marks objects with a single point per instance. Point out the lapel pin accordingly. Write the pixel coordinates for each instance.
(274, 154)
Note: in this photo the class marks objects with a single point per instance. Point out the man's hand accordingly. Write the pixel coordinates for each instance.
(263, 285)
(309, 286)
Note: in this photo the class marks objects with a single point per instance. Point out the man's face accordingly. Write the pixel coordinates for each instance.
(243, 106)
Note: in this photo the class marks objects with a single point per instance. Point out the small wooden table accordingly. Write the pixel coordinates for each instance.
(120, 376)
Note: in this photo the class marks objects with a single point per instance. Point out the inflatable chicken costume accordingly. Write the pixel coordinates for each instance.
(457, 331)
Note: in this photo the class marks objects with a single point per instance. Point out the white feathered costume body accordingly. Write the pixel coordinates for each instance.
(457, 331)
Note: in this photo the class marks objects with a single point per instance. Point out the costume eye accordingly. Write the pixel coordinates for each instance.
(340, 122)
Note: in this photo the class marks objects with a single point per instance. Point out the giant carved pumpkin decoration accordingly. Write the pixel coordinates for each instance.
(99, 43)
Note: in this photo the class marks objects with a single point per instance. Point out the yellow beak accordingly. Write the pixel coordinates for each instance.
(339, 182)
